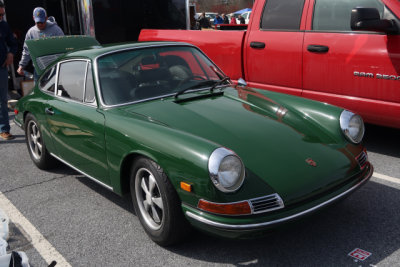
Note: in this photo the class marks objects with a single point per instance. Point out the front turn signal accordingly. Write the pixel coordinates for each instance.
(236, 208)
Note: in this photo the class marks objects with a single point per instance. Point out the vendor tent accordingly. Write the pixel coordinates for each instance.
(239, 12)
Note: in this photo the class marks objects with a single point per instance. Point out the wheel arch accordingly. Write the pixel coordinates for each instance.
(125, 170)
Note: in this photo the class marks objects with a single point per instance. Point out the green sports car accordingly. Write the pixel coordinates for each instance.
(161, 122)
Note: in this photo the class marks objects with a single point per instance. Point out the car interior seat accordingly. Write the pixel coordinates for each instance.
(116, 86)
(153, 78)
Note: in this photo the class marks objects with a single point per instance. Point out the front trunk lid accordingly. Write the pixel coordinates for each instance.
(291, 153)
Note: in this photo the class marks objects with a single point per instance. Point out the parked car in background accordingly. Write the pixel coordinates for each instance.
(246, 16)
(211, 16)
(161, 122)
(345, 53)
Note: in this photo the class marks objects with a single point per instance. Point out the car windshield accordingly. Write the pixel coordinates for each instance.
(155, 72)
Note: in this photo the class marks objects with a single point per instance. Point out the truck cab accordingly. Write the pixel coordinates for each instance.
(343, 52)
(310, 48)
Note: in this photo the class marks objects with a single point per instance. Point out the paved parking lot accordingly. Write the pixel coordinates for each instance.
(68, 218)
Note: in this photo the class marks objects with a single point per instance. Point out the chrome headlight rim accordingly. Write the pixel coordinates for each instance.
(214, 163)
(345, 118)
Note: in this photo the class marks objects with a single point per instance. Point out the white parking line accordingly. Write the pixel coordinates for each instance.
(45, 249)
(386, 178)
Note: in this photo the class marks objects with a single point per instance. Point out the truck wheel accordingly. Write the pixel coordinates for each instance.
(36, 147)
(156, 203)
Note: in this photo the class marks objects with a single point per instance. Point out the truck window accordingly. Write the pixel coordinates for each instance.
(335, 15)
(282, 14)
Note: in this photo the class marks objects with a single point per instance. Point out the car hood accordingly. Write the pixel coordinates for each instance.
(279, 144)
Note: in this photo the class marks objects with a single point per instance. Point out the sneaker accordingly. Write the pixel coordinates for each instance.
(6, 136)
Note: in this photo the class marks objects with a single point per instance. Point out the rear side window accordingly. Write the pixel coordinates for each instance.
(335, 15)
(71, 80)
(282, 14)
(47, 82)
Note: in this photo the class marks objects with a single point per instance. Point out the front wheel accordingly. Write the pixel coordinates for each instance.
(36, 147)
(156, 203)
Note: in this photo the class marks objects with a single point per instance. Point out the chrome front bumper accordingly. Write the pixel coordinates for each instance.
(233, 227)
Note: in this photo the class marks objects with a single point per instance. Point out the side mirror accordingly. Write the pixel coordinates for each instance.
(368, 19)
(242, 82)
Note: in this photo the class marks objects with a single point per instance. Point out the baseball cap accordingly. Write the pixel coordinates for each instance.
(39, 14)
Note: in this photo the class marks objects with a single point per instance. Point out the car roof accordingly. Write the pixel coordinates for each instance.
(98, 50)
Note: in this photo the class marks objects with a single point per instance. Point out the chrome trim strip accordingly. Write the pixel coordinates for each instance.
(264, 224)
(18, 124)
(88, 176)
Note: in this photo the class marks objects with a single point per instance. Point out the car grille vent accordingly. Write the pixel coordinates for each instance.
(362, 159)
(266, 203)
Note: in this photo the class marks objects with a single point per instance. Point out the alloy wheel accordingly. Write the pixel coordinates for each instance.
(149, 198)
(35, 140)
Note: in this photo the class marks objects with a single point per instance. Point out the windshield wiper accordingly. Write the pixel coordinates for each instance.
(203, 83)
(219, 83)
(214, 84)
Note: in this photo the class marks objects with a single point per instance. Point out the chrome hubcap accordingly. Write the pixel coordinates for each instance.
(149, 199)
(35, 140)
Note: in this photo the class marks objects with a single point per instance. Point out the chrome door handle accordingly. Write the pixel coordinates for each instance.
(49, 111)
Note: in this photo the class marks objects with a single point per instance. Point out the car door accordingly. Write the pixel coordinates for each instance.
(76, 125)
(273, 48)
(356, 70)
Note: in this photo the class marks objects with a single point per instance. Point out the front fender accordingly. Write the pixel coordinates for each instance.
(184, 157)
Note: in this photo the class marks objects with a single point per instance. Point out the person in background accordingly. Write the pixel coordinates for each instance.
(43, 28)
(225, 19)
(241, 20)
(204, 22)
(218, 20)
(8, 48)
(233, 20)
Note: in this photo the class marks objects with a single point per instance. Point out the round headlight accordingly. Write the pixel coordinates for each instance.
(352, 126)
(226, 170)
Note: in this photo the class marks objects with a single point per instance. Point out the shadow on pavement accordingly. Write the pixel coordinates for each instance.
(382, 140)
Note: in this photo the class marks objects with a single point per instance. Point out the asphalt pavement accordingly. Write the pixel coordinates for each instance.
(90, 226)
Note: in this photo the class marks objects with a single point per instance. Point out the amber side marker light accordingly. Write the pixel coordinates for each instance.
(237, 208)
(186, 186)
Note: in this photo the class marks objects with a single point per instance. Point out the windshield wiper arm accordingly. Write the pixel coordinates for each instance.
(214, 84)
(209, 82)
(219, 83)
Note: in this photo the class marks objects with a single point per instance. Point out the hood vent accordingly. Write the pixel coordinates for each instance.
(266, 203)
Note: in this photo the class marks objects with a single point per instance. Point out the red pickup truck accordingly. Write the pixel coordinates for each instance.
(344, 52)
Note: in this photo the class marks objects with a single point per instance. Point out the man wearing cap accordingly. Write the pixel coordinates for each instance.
(42, 29)
(8, 47)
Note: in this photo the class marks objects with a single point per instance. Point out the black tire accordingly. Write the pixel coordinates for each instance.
(159, 210)
(36, 147)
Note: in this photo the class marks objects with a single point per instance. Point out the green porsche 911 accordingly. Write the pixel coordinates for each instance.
(161, 122)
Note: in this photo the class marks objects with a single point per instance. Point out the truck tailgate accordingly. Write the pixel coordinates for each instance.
(222, 47)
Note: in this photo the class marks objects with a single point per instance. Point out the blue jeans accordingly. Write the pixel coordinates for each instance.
(4, 120)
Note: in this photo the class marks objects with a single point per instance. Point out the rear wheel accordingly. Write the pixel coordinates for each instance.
(156, 203)
(36, 147)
